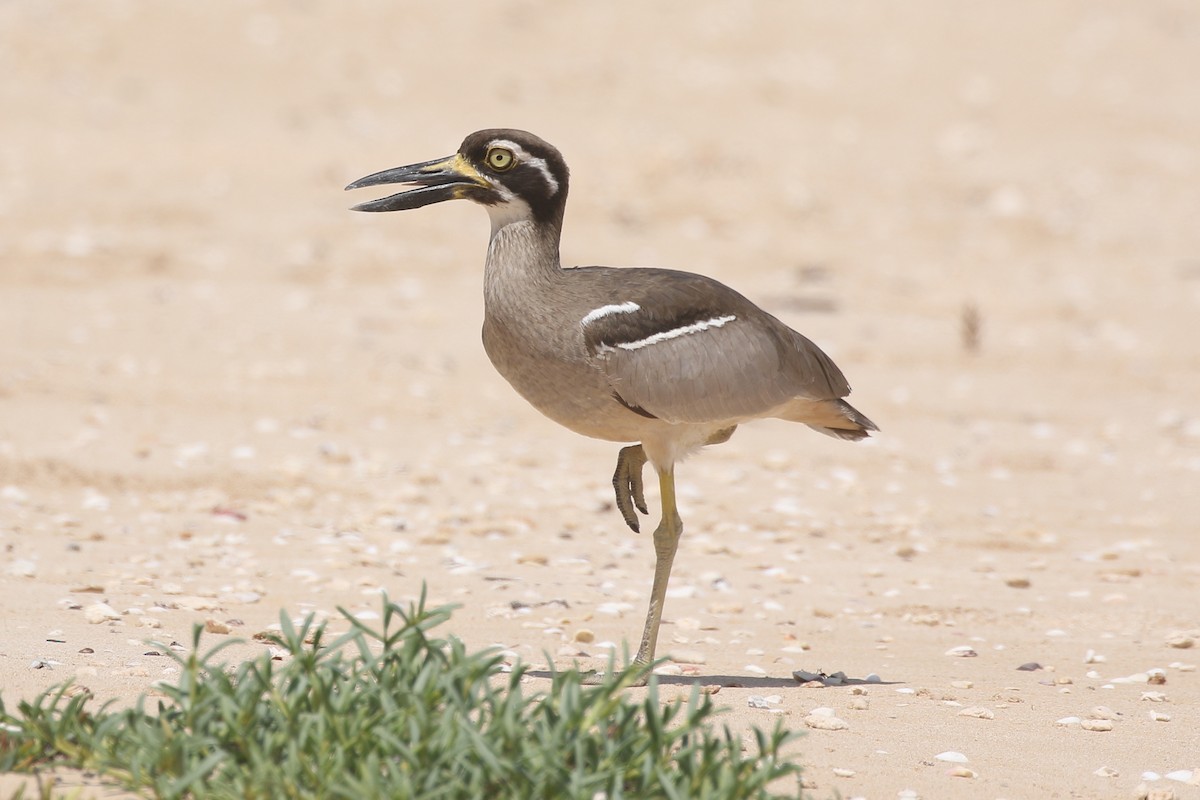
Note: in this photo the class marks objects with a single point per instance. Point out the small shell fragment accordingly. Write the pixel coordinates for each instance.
(97, 613)
(978, 712)
(953, 756)
(962, 651)
(817, 679)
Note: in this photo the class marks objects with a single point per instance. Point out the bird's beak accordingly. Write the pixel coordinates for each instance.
(436, 181)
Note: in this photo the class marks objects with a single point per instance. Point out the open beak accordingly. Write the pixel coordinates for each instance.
(435, 181)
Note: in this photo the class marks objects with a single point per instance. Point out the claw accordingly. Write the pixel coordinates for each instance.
(627, 483)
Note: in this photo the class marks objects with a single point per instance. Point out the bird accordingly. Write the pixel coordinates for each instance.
(664, 360)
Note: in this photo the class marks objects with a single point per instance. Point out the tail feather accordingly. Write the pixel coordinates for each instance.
(835, 418)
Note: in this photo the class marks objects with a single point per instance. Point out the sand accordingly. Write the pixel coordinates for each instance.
(222, 394)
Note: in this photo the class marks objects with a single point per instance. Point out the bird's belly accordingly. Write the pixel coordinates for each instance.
(569, 391)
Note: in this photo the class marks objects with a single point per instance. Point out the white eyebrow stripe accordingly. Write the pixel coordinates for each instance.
(537, 163)
(675, 333)
(628, 307)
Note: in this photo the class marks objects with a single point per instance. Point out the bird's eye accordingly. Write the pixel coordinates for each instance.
(500, 159)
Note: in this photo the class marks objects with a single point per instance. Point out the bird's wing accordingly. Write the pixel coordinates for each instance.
(686, 348)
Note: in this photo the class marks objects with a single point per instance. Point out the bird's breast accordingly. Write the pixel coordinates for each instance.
(548, 366)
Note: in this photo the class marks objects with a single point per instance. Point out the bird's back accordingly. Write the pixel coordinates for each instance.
(635, 345)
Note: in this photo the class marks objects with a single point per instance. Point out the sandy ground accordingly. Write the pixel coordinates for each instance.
(222, 394)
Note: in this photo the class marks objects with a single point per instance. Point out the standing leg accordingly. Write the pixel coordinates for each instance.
(666, 541)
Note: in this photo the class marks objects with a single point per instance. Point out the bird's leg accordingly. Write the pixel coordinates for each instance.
(666, 541)
(627, 482)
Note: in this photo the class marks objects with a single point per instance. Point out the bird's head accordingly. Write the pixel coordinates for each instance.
(516, 175)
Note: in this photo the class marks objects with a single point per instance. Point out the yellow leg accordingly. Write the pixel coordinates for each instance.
(666, 541)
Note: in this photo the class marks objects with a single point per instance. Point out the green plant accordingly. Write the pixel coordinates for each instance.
(394, 713)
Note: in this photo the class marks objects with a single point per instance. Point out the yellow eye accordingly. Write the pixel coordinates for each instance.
(500, 159)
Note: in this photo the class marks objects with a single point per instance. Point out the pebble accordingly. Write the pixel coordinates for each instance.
(1029, 666)
(22, 568)
(978, 712)
(688, 657)
(97, 613)
(1103, 712)
(953, 756)
(962, 772)
(1106, 772)
(584, 636)
(822, 722)
(962, 651)
(1096, 724)
(1158, 716)
(841, 772)
(197, 603)
(1068, 721)
(1180, 641)
(1143, 792)
(215, 626)
(615, 608)
(962, 684)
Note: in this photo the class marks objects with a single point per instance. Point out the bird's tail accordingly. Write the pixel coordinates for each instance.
(835, 418)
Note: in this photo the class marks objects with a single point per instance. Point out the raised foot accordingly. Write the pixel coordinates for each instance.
(627, 483)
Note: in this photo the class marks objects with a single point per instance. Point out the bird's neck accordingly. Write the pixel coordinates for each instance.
(522, 257)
